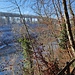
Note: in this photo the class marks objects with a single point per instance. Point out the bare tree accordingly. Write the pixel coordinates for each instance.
(68, 27)
(71, 11)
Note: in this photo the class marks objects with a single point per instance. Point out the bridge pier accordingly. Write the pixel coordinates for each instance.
(21, 20)
(39, 20)
(7, 20)
(12, 20)
(30, 20)
(27, 20)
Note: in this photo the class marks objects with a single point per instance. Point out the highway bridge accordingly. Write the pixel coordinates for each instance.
(15, 15)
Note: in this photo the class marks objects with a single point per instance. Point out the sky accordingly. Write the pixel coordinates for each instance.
(25, 8)
(10, 7)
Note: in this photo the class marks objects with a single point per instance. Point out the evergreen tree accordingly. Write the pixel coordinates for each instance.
(63, 37)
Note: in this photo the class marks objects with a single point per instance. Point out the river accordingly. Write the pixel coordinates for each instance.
(11, 58)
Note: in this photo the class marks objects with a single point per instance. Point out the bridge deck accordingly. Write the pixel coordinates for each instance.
(17, 15)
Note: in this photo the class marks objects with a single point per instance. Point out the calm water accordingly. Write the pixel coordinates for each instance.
(11, 58)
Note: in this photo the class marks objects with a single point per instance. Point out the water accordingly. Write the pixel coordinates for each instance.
(11, 58)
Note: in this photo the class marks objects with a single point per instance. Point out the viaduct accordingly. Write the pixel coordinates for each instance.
(11, 17)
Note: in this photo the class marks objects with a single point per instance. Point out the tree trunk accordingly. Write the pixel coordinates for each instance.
(68, 28)
(71, 12)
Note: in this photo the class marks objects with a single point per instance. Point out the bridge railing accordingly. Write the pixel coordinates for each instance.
(66, 68)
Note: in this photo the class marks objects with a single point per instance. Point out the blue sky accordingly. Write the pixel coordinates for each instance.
(9, 7)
